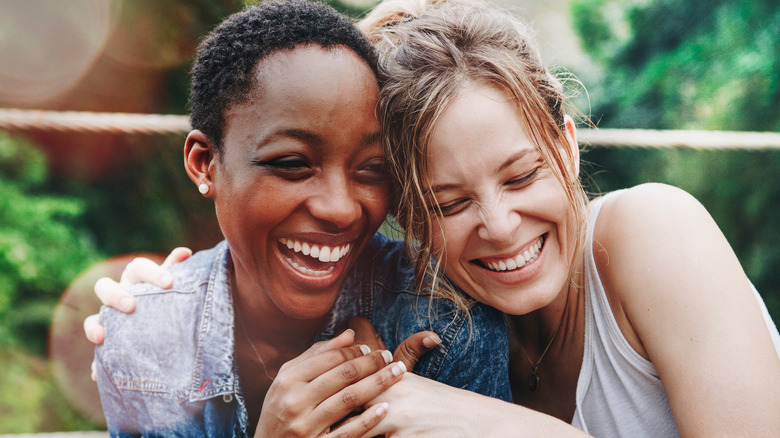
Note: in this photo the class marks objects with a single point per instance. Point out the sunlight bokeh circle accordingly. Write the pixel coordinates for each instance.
(70, 352)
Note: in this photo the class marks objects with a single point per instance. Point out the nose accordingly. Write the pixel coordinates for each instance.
(335, 201)
(498, 222)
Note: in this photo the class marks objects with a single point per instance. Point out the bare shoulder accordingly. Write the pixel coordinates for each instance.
(683, 302)
(650, 205)
(655, 225)
(655, 244)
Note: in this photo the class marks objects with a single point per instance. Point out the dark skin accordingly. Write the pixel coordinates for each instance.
(300, 161)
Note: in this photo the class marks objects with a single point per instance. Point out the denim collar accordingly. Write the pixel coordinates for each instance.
(215, 372)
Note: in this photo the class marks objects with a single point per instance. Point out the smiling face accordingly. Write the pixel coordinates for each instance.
(300, 187)
(506, 227)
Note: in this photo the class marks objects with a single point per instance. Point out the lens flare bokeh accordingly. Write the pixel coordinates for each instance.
(47, 47)
(69, 350)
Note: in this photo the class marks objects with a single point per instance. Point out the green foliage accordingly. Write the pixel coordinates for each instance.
(29, 398)
(145, 202)
(685, 64)
(42, 245)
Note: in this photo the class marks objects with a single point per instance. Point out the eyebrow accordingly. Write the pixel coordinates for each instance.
(508, 162)
(311, 138)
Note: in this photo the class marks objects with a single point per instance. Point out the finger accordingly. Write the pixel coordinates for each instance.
(353, 396)
(365, 333)
(315, 366)
(345, 339)
(93, 375)
(143, 270)
(93, 330)
(349, 372)
(359, 426)
(176, 256)
(412, 348)
(114, 295)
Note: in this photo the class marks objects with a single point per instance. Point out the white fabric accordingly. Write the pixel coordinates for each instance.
(619, 393)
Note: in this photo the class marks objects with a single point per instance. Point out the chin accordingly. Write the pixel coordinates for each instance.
(309, 307)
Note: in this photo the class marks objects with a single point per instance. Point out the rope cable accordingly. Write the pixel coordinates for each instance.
(82, 121)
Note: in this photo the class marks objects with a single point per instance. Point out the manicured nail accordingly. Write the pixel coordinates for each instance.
(398, 369)
(365, 349)
(349, 330)
(126, 304)
(432, 341)
(381, 410)
(388, 356)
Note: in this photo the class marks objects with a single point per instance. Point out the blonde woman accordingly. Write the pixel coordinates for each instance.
(629, 315)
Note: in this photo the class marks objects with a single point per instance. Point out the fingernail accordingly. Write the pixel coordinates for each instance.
(166, 279)
(387, 356)
(381, 410)
(365, 349)
(432, 341)
(126, 304)
(398, 369)
(349, 330)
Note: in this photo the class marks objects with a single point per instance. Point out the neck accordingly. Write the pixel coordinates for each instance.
(535, 330)
(266, 325)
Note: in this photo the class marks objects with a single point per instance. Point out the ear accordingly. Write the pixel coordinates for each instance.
(200, 160)
(574, 147)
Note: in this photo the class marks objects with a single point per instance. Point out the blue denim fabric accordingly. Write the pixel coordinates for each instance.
(168, 369)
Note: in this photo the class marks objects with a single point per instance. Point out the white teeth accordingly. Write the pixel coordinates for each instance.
(518, 261)
(325, 254)
(308, 271)
(320, 252)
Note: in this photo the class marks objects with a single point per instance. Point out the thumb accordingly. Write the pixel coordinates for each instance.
(365, 333)
(412, 348)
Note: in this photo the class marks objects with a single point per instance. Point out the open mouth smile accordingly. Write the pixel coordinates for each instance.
(529, 255)
(311, 258)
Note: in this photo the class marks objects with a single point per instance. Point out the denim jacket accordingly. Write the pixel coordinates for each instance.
(169, 369)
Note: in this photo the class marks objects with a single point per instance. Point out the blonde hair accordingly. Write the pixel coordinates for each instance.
(428, 50)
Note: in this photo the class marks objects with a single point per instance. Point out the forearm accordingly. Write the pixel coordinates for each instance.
(489, 417)
(420, 406)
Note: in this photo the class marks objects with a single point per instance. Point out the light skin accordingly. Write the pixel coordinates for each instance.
(675, 286)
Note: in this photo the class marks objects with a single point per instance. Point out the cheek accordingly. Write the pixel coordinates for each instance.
(376, 202)
(450, 236)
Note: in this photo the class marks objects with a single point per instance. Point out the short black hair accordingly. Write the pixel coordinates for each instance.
(222, 73)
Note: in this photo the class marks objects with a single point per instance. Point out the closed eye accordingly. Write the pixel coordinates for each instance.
(289, 167)
(523, 179)
(450, 208)
(373, 171)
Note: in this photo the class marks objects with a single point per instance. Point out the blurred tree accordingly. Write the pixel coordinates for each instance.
(43, 245)
(686, 64)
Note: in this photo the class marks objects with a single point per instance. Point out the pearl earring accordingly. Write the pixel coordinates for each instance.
(203, 188)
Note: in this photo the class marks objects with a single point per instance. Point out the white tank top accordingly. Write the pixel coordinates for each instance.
(619, 393)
